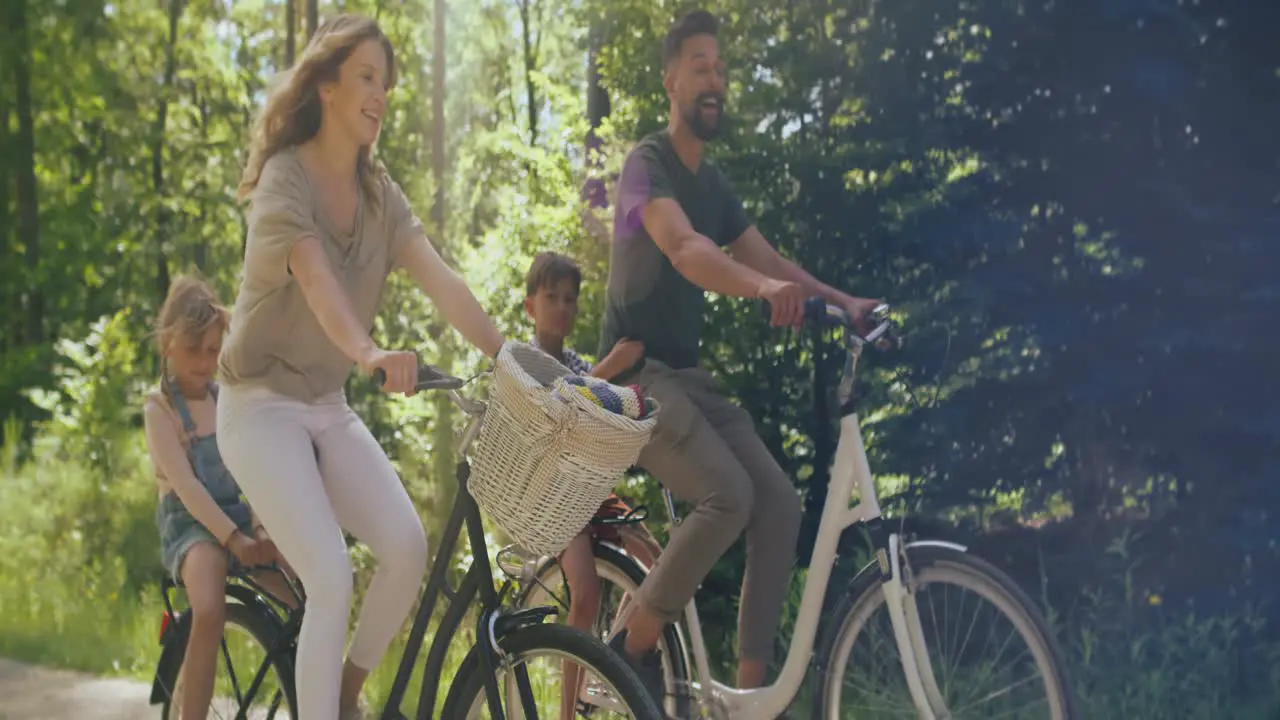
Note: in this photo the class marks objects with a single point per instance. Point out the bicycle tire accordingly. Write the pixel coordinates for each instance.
(930, 560)
(263, 630)
(613, 563)
(574, 644)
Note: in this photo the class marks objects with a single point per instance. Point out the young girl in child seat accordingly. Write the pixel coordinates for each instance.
(551, 299)
(204, 526)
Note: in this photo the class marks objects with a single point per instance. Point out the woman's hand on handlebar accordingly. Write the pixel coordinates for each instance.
(400, 366)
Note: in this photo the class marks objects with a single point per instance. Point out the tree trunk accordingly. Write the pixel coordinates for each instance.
(437, 112)
(313, 18)
(530, 63)
(290, 32)
(6, 243)
(246, 63)
(200, 255)
(597, 110)
(442, 437)
(593, 186)
(598, 106)
(164, 218)
(28, 202)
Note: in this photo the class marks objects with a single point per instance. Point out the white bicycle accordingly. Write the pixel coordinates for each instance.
(882, 650)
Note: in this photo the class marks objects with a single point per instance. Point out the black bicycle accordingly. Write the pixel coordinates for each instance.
(513, 670)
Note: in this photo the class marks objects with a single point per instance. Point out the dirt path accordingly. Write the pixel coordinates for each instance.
(35, 693)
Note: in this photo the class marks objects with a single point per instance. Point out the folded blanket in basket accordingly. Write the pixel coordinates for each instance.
(628, 401)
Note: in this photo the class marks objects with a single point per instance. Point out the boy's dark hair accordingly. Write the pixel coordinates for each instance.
(549, 268)
(691, 24)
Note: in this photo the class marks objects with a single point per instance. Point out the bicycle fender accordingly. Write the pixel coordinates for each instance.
(509, 622)
(250, 599)
(871, 571)
(255, 602)
(173, 648)
(936, 543)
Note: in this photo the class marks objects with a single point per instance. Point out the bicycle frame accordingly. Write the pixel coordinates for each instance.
(478, 580)
(850, 471)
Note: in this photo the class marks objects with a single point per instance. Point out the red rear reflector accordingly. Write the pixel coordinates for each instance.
(165, 618)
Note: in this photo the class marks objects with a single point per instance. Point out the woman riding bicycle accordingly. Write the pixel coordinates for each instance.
(327, 225)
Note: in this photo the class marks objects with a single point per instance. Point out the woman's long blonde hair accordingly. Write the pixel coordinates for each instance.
(292, 111)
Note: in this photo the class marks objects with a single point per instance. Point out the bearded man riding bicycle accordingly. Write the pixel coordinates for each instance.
(675, 214)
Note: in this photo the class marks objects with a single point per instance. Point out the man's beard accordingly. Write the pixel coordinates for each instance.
(703, 129)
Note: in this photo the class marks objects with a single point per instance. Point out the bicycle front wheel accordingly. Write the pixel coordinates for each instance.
(984, 649)
(529, 679)
(620, 576)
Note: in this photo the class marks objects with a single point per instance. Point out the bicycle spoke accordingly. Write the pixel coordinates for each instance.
(995, 694)
(240, 654)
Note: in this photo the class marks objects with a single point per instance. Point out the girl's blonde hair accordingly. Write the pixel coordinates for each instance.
(292, 112)
(187, 314)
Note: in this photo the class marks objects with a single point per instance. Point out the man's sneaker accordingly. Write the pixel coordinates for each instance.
(648, 668)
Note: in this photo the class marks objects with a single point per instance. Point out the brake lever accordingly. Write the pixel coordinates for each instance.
(888, 342)
(888, 339)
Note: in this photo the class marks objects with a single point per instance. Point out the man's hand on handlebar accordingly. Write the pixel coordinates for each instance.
(873, 315)
(859, 311)
(399, 368)
(785, 302)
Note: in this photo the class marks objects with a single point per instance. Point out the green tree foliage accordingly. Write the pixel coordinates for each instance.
(1066, 202)
(1070, 205)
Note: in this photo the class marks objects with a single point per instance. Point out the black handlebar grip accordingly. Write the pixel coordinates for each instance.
(815, 308)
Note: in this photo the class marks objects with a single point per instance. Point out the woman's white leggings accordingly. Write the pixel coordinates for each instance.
(310, 470)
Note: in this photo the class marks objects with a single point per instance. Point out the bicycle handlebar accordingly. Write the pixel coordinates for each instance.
(430, 377)
(816, 310)
(882, 335)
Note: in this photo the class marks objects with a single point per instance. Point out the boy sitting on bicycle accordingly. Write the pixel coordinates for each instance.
(551, 299)
(204, 525)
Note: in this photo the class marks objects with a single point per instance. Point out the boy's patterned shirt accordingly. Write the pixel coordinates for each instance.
(571, 360)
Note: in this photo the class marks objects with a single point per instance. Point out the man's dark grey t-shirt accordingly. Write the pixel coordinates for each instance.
(646, 298)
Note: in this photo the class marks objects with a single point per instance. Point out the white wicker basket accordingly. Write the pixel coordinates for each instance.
(545, 461)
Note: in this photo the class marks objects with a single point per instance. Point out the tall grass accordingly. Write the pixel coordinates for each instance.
(71, 597)
(1136, 657)
(70, 604)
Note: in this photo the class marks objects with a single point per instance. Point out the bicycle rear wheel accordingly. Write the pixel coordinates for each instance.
(999, 659)
(246, 640)
(620, 575)
(536, 653)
